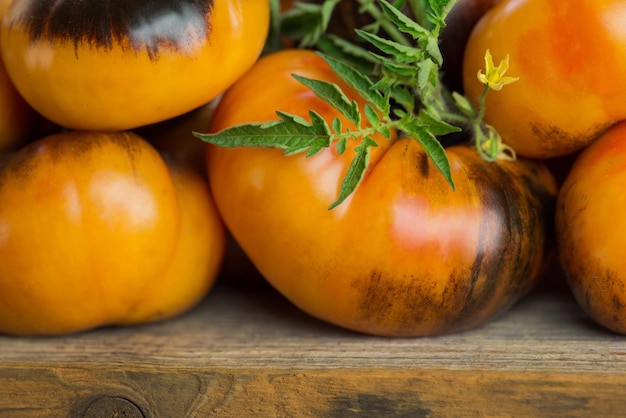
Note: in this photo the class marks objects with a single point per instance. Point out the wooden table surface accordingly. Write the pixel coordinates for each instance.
(249, 353)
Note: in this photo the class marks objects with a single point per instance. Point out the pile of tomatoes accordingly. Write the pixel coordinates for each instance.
(112, 213)
(106, 215)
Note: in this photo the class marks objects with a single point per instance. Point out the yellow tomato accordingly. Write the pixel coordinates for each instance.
(120, 65)
(404, 255)
(570, 58)
(92, 231)
(199, 254)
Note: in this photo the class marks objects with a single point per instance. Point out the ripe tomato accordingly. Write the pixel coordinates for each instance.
(199, 254)
(404, 255)
(92, 227)
(118, 65)
(570, 58)
(590, 232)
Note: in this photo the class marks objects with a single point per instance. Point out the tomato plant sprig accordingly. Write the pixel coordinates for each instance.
(404, 94)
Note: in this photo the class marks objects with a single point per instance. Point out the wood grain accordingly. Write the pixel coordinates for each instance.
(250, 353)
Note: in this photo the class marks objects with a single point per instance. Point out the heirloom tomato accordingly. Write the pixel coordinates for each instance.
(120, 64)
(590, 230)
(405, 254)
(570, 57)
(96, 230)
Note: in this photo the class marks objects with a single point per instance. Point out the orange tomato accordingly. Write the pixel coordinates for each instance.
(590, 230)
(120, 65)
(198, 257)
(570, 58)
(92, 230)
(405, 255)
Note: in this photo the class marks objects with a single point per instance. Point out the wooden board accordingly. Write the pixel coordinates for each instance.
(249, 353)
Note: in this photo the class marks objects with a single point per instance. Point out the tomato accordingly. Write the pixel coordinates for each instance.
(121, 64)
(199, 254)
(590, 230)
(95, 230)
(404, 255)
(174, 138)
(570, 58)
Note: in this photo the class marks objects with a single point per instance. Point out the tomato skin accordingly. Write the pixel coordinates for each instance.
(121, 64)
(90, 224)
(404, 255)
(198, 257)
(558, 50)
(590, 229)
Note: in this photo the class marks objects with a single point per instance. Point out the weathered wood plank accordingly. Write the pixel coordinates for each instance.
(151, 392)
(251, 353)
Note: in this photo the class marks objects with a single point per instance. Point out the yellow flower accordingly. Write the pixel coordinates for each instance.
(493, 77)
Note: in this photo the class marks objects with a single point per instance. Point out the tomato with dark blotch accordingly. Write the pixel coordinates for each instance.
(570, 58)
(590, 229)
(97, 229)
(404, 255)
(120, 64)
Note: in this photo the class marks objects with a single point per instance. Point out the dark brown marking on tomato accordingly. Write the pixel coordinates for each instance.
(142, 25)
(423, 164)
(406, 305)
(505, 265)
(552, 137)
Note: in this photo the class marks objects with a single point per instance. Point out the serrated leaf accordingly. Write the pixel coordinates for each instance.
(332, 94)
(371, 115)
(342, 145)
(403, 97)
(400, 52)
(291, 133)
(439, 11)
(358, 82)
(385, 131)
(356, 170)
(434, 124)
(432, 47)
(307, 22)
(428, 72)
(337, 128)
(403, 22)
(359, 58)
(433, 149)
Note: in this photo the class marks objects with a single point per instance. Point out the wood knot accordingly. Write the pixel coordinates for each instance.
(112, 407)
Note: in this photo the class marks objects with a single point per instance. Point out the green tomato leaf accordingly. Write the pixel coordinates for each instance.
(400, 52)
(359, 58)
(356, 170)
(332, 94)
(403, 22)
(433, 149)
(372, 115)
(307, 22)
(291, 133)
(434, 124)
(358, 82)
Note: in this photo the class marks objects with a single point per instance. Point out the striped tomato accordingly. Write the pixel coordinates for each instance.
(404, 255)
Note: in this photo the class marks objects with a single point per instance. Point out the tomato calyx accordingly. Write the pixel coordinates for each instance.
(398, 74)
